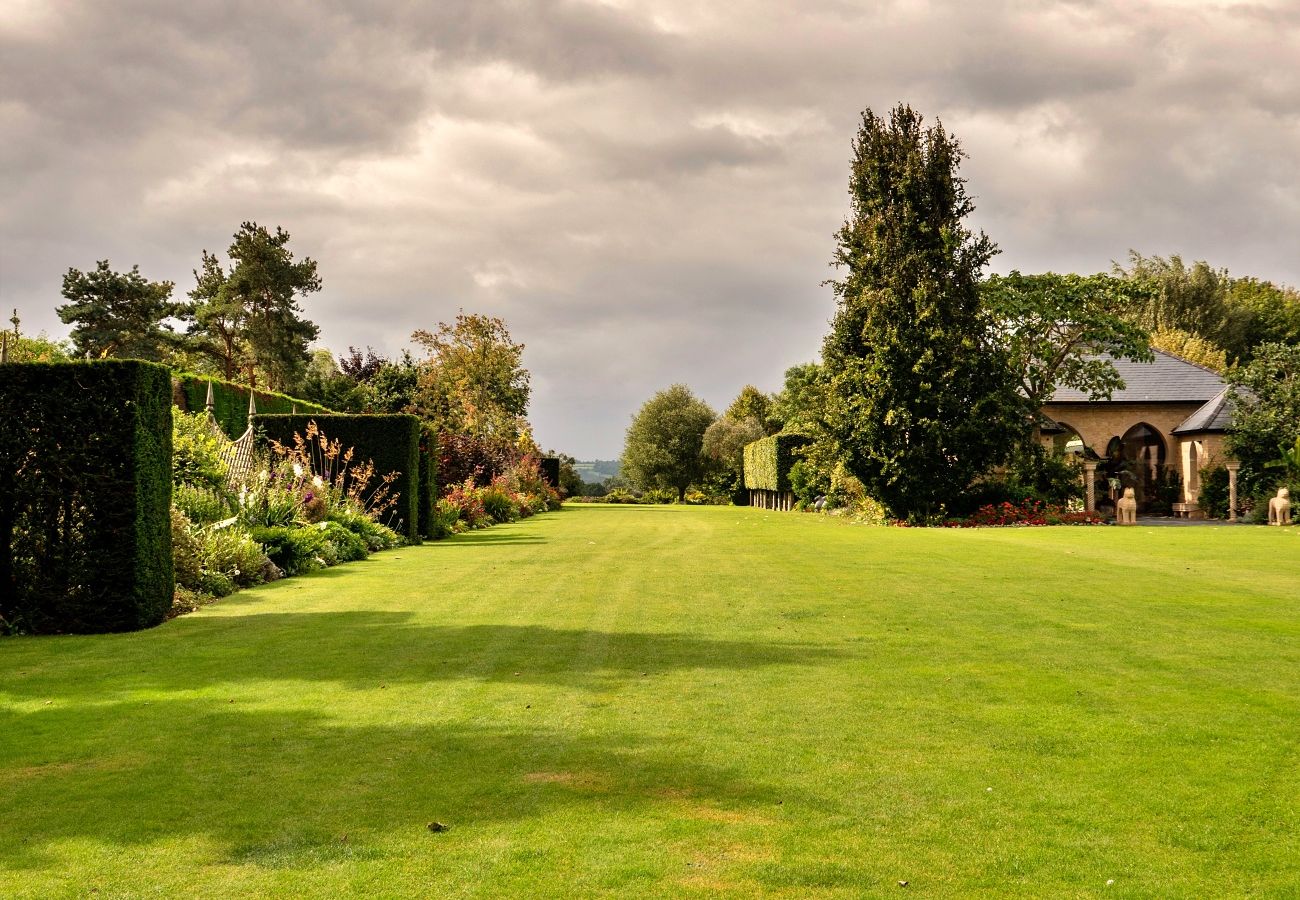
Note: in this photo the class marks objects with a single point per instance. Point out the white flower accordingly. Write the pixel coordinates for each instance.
(318, 481)
(297, 470)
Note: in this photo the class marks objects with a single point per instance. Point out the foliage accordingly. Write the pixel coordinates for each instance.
(1191, 347)
(373, 534)
(203, 505)
(217, 559)
(85, 489)
(1214, 496)
(1288, 461)
(196, 452)
(230, 401)
(1053, 329)
(768, 462)
(664, 443)
(20, 348)
(117, 314)
(751, 403)
(383, 448)
(920, 400)
(1266, 410)
(1028, 512)
(1191, 299)
(462, 456)
(293, 550)
(446, 515)
(473, 381)
(1165, 492)
(269, 499)
(468, 503)
(247, 318)
(498, 504)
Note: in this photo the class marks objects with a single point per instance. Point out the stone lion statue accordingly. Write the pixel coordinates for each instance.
(1279, 508)
(1126, 508)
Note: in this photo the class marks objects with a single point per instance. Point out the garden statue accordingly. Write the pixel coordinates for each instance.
(1279, 508)
(1126, 509)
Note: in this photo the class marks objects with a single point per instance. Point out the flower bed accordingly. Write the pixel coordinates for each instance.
(1027, 512)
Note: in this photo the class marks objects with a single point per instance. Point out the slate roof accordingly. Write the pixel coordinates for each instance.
(1213, 416)
(1169, 379)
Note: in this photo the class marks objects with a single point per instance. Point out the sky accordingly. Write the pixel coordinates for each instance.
(646, 192)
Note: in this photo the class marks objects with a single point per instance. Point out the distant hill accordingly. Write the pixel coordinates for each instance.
(593, 471)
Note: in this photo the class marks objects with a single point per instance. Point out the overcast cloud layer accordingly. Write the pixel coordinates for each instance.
(647, 192)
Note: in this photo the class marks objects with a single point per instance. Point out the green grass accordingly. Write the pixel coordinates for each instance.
(632, 701)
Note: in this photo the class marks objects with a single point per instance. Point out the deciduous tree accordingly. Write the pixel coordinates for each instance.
(665, 441)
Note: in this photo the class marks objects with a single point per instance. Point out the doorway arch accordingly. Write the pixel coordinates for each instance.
(1144, 461)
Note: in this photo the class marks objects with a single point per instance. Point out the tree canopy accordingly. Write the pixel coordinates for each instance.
(118, 314)
(473, 380)
(247, 317)
(665, 442)
(921, 401)
(1053, 328)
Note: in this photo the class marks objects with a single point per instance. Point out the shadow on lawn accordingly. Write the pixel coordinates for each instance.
(282, 789)
(364, 649)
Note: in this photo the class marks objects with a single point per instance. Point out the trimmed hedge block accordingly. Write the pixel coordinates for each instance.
(391, 442)
(230, 401)
(85, 496)
(550, 468)
(768, 462)
(428, 480)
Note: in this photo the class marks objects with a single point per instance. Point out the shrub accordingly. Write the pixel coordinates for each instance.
(1213, 497)
(269, 500)
(348, 547)
(445, 517)
(768, 462)
(373, 534)
(388, 445)
(216, 560)
(461, 456)
(293, 550)
(196, 452)
(85, 496)
(498, 504)
(202, 505)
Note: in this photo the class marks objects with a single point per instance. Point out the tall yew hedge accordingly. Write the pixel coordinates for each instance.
(392, 442)
(85, 496)
(230, 401)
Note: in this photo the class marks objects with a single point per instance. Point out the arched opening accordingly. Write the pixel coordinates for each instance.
(1143, 462)
(1069, 442)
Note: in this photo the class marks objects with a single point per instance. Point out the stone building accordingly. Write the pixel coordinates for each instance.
(1168, 420)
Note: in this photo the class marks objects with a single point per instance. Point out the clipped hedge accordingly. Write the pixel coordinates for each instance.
(392, 442)
(550, 469)
(768, 462)
(85, 496)
(428, 481)
(230, 401)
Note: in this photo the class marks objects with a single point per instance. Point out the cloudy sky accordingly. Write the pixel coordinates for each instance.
(647, 192)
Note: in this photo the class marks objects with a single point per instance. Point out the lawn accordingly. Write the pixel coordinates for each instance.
(684, 702)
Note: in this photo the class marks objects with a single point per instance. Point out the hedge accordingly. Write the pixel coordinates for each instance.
(85, 496)
(550, 468)
(768, 462)
(230, 401)
(391, 442)
(428, 480)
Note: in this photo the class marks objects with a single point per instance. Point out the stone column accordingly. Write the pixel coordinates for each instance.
(1089, 485)
(1233, 468)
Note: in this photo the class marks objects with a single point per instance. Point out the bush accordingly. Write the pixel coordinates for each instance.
(499, 505)
(374, 535)
(461, 456)
(348, 547)
(85, 496)
(293, 550)
(445, 518)
(196, 452)
(391, 443)
(202, 505)
(216, 560)
(768, 462)
(1213, 498)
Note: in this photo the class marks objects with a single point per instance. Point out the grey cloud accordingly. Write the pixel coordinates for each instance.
(647, 192)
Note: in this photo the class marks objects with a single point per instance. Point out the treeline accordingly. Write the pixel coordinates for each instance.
(243, 321)
(927, 398)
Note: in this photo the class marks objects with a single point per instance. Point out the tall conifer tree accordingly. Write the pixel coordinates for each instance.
(920, 402)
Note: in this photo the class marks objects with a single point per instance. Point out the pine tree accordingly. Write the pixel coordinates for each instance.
(117, 314)
(920, 403)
